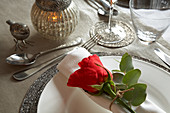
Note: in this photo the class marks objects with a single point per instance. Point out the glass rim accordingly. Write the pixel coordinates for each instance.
(131, 10)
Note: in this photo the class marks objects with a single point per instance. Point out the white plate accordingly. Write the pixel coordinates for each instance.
(58, 98)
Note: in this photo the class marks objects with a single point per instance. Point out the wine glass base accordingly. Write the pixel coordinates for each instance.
(146, 42)
(120, 33)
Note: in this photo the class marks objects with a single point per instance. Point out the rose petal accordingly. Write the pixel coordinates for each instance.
(83, 78)
(91, 62)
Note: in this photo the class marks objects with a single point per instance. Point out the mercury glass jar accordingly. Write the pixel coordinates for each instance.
(54, 19)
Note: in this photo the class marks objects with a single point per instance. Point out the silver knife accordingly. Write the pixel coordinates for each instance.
(163, 56)
(23, 74)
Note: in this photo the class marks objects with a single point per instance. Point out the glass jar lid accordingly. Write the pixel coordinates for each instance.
(53, 5)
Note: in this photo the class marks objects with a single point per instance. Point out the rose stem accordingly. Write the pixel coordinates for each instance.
(107, 88)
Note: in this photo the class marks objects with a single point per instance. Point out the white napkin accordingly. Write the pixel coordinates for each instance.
(70, 64)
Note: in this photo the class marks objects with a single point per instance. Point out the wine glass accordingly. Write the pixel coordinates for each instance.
(112, 31)
(150, 18)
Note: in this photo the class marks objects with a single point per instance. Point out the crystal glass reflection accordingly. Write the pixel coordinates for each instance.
(150, 18)
(111, 31)
(114, 31)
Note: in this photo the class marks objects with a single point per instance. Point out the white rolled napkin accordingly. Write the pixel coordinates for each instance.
(70, 64)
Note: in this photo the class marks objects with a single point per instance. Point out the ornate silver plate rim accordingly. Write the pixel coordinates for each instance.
(30, 101)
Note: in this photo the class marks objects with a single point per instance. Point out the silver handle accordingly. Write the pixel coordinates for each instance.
(106, 4)
(96, 3)
(69, 44)
(23, 74)
(163, 56)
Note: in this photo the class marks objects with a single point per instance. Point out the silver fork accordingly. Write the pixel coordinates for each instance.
(91, 42)
(23, 74)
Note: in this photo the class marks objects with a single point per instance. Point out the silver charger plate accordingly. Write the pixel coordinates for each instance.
(31, 99)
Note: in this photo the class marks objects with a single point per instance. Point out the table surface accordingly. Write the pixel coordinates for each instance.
(12, 92)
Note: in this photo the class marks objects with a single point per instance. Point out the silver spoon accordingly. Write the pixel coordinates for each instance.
(28, 59)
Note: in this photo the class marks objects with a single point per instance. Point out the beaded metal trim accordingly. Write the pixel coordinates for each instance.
(30, 101)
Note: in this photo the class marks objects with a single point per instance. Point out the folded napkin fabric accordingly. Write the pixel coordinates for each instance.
(70, 64)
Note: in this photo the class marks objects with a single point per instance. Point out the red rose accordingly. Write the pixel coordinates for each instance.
(88, 74)
(91, 62)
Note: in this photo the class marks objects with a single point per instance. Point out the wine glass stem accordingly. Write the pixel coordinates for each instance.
(110, 17)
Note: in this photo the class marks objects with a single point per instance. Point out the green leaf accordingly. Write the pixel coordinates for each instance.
(128, 95)
(96, 86)
(112, 83)
(136, 96)
(107, 88)
(125, 55)
(117, 77)
(126, 63)
(131, 77)
(120, 86)
(114, 71)
(96, 94)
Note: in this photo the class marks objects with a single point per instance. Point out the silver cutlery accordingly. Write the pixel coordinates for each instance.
(163, 56)
(101, 11)
(105, 4)
(23, 74)
(28, 59)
